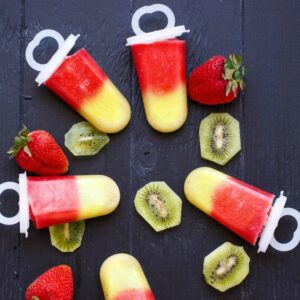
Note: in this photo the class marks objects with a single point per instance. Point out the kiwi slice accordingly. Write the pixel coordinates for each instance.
(226, 267)
(84, 139)
(158, 205)
(220, 138)
(67, 237)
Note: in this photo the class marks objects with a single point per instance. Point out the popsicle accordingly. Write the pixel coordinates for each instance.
(160, 61)
(52, 200)
(122, 278)
(81, 83)
(242, 208)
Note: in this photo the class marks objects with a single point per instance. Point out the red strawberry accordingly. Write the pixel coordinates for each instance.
(38, 152)
(217, 81)
(54, 284)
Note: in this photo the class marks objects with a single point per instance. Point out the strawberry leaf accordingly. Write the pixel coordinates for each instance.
(239, 60)
(229, 64)
(228, 87)
(27, 151)
(237, 75)
(234, 87)
(242, 85)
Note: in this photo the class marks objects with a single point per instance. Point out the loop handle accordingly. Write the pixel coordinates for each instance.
(293, 243)
(9, 186)
(169, 32)
(35, 43)
(149, 10)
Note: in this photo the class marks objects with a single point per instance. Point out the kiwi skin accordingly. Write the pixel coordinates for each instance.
(67, 237)
(220, 139)
(226, 267)
(158, 204)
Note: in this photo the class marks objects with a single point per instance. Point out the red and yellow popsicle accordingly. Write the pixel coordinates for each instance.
(240, 207)
(160, 61)
(61, 199)
(161, 69)
(82, 84)
(122, 278)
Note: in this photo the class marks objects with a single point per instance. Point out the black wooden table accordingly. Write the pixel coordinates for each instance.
(266, 33)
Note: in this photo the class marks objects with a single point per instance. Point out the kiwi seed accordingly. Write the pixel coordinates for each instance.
(226, 267)
(67, 237)
(158, 205)
(220, 138)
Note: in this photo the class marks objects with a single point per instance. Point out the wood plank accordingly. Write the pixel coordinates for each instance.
(10, 84)
(173, 259)
(271, 128)
(102, 30)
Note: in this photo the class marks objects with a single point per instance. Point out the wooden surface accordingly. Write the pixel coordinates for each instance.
(266, 33)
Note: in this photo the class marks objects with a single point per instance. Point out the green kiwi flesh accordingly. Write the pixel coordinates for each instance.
(67, 237)
(158, 204)
(220, 138)
(226, 267)
(84, 139)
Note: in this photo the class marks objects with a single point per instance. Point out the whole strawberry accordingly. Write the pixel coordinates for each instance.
(217, 81)
(39, 153)
(54, 284)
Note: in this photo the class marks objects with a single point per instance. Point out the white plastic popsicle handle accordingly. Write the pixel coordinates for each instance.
(47, 69)
(293, 243)
(277, 212)
(9, 186)
(22, 215)
(170, 31)
(35, 43)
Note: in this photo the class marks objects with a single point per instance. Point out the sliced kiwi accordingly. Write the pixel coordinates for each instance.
(84, 139)
(220, 138)
(158, 205)
(226, 267)
(67, 237)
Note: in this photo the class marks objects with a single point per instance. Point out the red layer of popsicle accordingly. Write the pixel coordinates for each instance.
(53, 200)
(160, 66)
(241, 208)
(77, 79)
(135, 295)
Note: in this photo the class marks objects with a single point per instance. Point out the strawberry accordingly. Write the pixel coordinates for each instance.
(54, 284)
(39, 153)
(217, 81)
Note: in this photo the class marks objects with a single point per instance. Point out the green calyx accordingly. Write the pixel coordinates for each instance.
(21, 141)
(234, 73)
(35, 298)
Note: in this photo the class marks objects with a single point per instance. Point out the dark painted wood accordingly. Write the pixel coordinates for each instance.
(10, 95)
(266, 33)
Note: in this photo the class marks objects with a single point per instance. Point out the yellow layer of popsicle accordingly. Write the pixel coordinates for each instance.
(107, 110)
(166, 112)
(98, 195)
(121, 272)
(198, 193)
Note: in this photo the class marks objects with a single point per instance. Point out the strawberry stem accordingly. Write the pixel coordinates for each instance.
(234, 73)
(35, 298)
(21, 141)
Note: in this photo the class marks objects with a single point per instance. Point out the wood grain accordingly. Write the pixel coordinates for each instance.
(10, 96)
(266, 33)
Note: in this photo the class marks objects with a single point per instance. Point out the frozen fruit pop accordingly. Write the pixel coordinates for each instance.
(160, 61)
(52, 200)
(122, 278)
(242, 208)
(81, 83)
